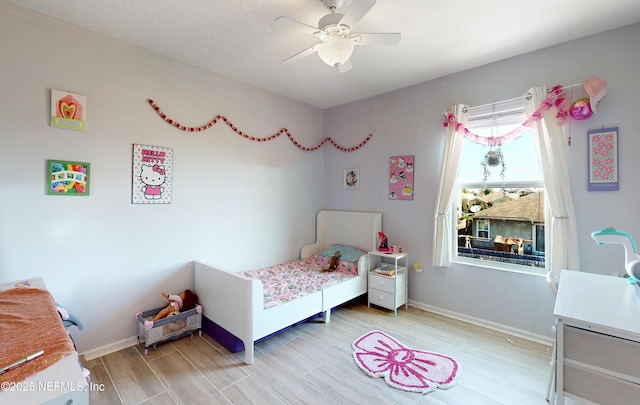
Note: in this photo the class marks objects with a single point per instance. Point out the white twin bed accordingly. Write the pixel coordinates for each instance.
(236, 302)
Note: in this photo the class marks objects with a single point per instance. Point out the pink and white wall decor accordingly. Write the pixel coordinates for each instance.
(603, 159)
(401, 177)
(152, 175)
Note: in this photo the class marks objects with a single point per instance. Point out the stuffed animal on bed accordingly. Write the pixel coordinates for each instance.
(334, 262)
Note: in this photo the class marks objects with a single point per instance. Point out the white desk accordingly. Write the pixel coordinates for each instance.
(597, 339)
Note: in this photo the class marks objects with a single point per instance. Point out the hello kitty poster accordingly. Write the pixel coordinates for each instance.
(152, 174)
(401, 177)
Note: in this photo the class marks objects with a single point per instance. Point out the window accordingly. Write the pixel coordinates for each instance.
(500, 196)
(482, 229)
(539, 245)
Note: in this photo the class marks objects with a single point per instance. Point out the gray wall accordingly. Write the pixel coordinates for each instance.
(236, 203)
(409, 121)
(242, 204)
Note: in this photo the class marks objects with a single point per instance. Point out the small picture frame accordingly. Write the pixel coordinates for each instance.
(68, 178)
(68, 110)
(351, 179)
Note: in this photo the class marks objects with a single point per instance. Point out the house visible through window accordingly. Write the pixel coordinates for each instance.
(500, 200)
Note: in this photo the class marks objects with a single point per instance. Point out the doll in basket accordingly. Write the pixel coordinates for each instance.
(183, 301)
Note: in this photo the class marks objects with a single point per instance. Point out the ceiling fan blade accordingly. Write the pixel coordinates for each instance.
(302, 54)
(345, 67)
(380, 38)
(290, 22)
(355, 12)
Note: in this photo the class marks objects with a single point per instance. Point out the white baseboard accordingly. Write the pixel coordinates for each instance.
(110, 348)
(545, 340)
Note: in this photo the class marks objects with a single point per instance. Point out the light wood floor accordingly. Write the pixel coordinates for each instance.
(312, 364)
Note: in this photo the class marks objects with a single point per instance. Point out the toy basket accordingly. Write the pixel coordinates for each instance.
(169, 328)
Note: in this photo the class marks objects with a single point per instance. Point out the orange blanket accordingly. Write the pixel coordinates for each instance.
(29, 322)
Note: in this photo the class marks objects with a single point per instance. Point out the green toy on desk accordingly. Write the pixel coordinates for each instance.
(611, 236)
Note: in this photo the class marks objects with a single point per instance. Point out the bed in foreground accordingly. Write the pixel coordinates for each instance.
(236, 301)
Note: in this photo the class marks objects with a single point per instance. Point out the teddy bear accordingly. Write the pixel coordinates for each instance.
(334, 262)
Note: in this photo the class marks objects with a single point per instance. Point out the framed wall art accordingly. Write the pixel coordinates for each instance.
(603, 159)
(401, 177)
(68, 178)
(68, 110)
(351, 179)
(152, 175)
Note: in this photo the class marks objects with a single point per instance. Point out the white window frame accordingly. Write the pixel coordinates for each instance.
(509, 113)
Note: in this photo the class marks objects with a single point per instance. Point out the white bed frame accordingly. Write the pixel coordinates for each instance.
(236, 303)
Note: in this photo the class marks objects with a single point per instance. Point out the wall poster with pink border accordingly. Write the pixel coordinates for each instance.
(603, 159)
(68, 110)
(401, 177)
(152, 174)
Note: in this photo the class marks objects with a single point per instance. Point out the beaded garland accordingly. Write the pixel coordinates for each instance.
(255, 138)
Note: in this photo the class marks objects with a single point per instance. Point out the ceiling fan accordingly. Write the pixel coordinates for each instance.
(334, 31)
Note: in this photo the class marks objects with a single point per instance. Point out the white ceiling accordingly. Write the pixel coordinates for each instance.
(239, 38)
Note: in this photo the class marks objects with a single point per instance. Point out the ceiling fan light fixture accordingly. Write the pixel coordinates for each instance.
(336, 50)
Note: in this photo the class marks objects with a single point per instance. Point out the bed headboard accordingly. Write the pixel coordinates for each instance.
(353, 228)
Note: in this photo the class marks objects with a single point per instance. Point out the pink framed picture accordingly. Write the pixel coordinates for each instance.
(401, 177)
(152, 176)
(603, 159)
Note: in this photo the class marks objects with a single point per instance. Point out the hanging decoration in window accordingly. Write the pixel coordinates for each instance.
(255, 138)
(493, 158)
(581, 109)
(555, 97)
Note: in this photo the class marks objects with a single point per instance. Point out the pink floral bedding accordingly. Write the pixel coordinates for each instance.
(288, 281)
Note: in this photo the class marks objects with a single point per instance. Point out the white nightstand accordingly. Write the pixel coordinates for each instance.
(388, 291)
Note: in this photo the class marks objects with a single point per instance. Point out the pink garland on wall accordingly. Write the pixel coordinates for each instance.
(254, 138)
(555, 97)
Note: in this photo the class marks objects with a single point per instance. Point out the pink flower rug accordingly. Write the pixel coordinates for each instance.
(380, 355)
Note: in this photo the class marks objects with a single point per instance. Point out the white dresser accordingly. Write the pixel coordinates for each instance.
(597, 339)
